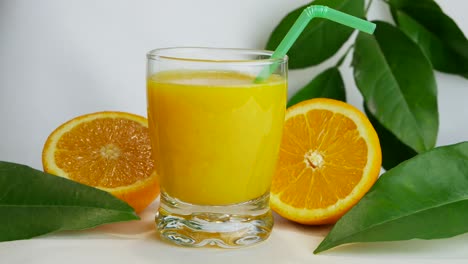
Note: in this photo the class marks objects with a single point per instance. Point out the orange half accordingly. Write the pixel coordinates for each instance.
(330, 157)
(107, 150)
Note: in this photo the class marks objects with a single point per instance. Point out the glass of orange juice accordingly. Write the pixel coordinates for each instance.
(215, 135)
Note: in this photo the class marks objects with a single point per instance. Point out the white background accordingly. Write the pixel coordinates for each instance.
(60, 59)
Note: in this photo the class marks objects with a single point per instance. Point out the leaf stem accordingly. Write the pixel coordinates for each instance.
(368, 6)
(340, 61)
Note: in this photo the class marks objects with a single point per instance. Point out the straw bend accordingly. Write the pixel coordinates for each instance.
(316, 11)
(339, 17)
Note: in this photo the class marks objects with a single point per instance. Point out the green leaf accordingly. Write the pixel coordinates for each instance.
(394, 151)
(321, 39)
(398, 85)
(437, 34)
(34, 203)
(327, 84)
(425, 197)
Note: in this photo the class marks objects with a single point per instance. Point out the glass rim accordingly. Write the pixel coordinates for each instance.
(160, 54)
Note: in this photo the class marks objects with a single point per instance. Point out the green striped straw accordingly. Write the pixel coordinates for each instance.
(306, 16)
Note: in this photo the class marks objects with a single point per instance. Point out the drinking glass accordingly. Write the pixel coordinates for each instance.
(215, 133)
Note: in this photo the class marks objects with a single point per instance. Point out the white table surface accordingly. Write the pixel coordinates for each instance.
(60, 59)
(137, 242)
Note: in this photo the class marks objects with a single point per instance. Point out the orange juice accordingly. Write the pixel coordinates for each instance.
(215, 134)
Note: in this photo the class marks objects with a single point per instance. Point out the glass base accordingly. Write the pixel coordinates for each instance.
(227, 226)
